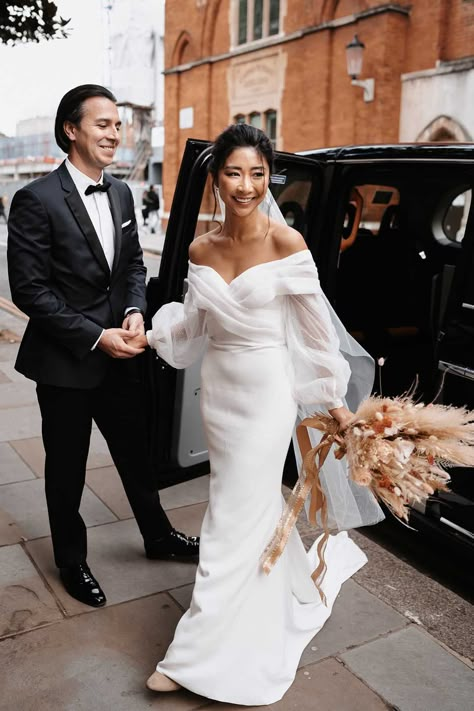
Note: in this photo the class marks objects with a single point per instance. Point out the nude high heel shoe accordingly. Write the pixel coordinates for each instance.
(160, 682)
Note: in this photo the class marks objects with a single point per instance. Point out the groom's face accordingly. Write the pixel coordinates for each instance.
(94, 141)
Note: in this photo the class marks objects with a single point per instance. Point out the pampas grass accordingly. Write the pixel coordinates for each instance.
(399, 448)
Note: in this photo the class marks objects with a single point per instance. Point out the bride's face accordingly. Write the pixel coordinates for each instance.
(243, 180)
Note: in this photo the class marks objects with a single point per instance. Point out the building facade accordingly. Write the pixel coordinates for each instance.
(131, 61)
(281, 65)
(135, 48)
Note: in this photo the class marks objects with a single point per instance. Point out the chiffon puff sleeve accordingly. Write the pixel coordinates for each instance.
(178, 331)
(330, 369)
(321, 373)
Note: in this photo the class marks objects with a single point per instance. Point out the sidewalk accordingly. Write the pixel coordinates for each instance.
(151, 242)
(59, 655)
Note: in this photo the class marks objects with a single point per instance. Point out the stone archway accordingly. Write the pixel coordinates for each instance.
(183, 50)
(443, 129)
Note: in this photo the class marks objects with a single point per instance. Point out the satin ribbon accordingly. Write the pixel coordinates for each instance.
(308, 483)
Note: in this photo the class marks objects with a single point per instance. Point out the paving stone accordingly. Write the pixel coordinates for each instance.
(8, 350)
(12, 467)
(415, 593)
(13, 395)
(105, 483)
(4, 378)
(326, 686)
(31, 450)
(8, 370)
(188, 519)
(117, 558)
(333, 686)
(413, 672)
(185, 494)
(98, 661)
(25, 602)
(10, 532)
(19, 422)
(99, 455)
(183, 596)
(11, 327)
(25, 502)
(356, 618)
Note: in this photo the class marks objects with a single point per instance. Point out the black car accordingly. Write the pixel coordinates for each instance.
(391, 228)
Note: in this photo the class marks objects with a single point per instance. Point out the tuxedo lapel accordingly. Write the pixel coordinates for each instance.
(74, 201)
(117, 219)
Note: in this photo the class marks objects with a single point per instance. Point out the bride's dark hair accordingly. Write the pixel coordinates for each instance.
(239, 135)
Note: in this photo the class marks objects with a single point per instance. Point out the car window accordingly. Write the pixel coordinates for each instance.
(291, 188)
(450, 219)
(370, 210)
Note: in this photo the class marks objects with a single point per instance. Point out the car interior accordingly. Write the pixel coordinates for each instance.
(400, 242)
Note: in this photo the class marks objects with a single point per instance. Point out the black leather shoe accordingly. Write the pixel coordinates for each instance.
(173, 545)
(81, 584)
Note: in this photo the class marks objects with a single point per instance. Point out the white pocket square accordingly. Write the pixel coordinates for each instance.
(125, 224)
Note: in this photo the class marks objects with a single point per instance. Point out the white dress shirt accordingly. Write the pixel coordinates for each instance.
(98, 208)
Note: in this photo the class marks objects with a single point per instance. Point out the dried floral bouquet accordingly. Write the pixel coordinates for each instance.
(394, 446)
(398, 448)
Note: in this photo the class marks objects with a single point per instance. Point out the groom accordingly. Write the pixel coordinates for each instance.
(76, 269)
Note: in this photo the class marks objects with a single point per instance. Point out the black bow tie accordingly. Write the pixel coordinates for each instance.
(99, 188)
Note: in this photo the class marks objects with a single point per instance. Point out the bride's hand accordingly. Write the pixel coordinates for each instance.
(138, 341)
(343, 416)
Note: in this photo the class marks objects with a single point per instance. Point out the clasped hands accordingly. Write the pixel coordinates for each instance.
(126, 342)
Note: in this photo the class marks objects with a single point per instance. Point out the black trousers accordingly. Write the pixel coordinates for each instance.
(67, 414)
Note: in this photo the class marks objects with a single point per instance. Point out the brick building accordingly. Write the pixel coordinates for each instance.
(281, 64)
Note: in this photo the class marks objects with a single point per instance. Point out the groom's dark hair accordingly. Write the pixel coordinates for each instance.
(71, 108)
(239, 135)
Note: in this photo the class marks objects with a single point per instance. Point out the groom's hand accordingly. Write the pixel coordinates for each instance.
(113, 341)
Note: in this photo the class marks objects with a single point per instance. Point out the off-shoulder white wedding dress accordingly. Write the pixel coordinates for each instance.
(269, 346)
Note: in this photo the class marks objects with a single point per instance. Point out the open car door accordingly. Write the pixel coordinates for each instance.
(177, 439)
(455, 363)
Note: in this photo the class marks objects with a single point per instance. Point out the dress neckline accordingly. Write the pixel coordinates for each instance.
(249, 269)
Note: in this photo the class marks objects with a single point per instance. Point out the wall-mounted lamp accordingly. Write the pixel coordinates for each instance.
(354, 57)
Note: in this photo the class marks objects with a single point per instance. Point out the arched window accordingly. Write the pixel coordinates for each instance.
(274, 18)
(256, 19)
(266, 121)
(443, 135)
(183, 50)
(271, 125)
(242, 22)
(444, 128)
(255, 119)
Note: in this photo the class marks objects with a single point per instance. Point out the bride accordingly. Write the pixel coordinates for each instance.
(272, 348)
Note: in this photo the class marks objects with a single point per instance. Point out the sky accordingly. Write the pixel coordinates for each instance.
(34, 77)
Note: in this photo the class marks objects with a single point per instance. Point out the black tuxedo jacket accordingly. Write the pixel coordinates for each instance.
(60, 278)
